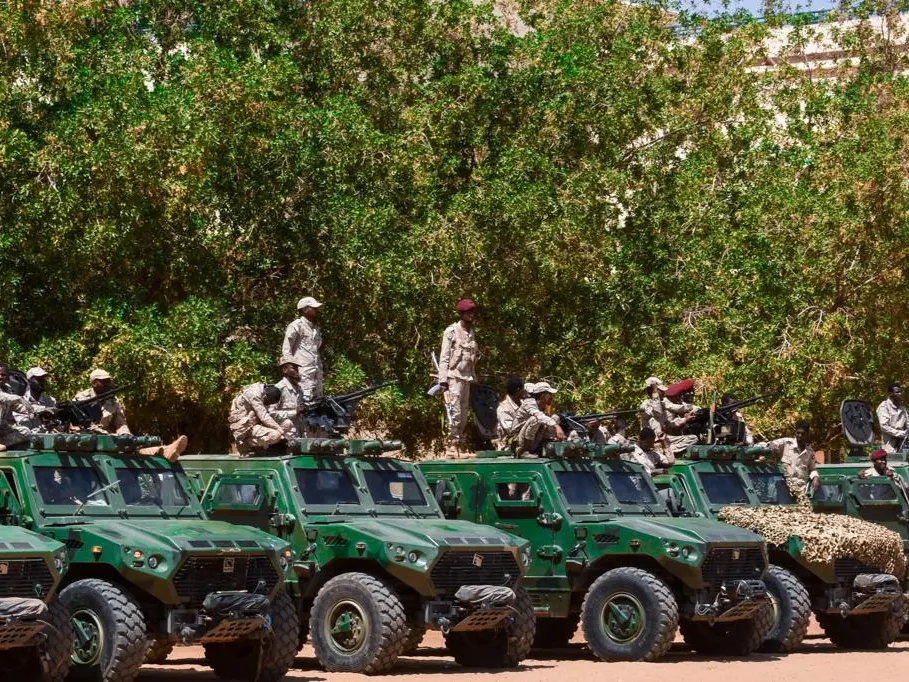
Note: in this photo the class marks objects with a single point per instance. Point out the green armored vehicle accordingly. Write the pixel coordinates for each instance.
(844, 571)
(36, 639)
(147, 570)
(376, 562)
(607, 553)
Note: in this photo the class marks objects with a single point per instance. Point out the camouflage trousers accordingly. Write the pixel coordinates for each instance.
(678, 444)
(258, 437)
(14, 434)
(457, 399)
(528, 437)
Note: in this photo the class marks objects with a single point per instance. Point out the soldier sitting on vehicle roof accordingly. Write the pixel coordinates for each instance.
(646, 455)
(251, 424)
(507, 426)
(113, 417)
(620, 426)
(535, 426)
(729, 399)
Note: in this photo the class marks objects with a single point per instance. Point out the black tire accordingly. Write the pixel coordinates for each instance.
(158, 651)
(503, 647)
(265, 658)
(123, 642)
(624, 591)
(736, 638)
(871, 632)
(555, 633)
(373, 607)
(412, 641)
(49, 659)
(792, 611)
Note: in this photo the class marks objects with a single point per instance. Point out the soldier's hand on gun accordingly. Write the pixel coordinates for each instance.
(560, 434)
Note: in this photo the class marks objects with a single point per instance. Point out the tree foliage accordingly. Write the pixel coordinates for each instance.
(624, 195)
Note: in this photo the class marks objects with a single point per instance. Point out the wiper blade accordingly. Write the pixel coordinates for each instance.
(400, 503)
(99, 491)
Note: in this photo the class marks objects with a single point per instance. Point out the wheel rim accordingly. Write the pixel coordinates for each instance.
(623, 617)
(775, 606)
(88, 629)
(347, 627)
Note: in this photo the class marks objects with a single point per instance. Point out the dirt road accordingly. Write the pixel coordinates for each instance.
(818, 661)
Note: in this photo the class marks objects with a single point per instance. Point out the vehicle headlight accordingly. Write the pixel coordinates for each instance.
(60, 561)
(525, 557)
(413, 556)
(154, 562)
(686, 552)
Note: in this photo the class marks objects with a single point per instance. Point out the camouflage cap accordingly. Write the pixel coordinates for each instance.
(287, 360)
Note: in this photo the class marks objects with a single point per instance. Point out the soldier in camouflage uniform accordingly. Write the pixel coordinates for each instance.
(11, 433)
(303, 344)
(797, 456)
(457, 369)
(507, 412)
(535, 425)
(251, 424)
(113, 417)
(893, 419)
(290, 406)
(646, 455)
(37, 397)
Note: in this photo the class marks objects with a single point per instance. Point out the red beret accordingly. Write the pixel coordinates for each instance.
(880, 453)
(465, 305)
(679, 388)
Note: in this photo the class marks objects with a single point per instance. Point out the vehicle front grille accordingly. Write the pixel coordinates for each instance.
(454, 569)
(731, 564)
(28, 578)
(199, 576)
(845, 570)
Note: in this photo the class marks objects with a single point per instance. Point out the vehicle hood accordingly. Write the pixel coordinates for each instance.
(184, 536)
(439, 533)
(691, 530)
(15, 541)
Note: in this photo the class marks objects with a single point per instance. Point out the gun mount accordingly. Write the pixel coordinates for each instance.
(719, 424)
(333, 414)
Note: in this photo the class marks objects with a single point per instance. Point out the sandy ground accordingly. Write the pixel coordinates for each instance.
(817, 661)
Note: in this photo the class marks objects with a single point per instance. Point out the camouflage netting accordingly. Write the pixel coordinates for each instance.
(824, 537)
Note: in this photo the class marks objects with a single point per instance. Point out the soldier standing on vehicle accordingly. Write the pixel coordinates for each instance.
(677, 414)
(891, 415)
(646, 455)
(457, 369)
(37, 397)
(797, 455)
(250, 422)
(290, 406)
(653, 411)
(113, 417)
(303, 344)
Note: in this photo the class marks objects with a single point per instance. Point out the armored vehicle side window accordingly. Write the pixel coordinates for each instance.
(11, 481)
(723, 487)
(239, 493)
(771, 488)
(830, 493)
(326, 486)
(580, 487)
(630, 487)
(70, 485)
(155, 488)
(514, 492)
(875, 492)
(391, 486)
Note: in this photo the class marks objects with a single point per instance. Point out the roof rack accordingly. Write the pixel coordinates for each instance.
(91, 442)
(340, 446)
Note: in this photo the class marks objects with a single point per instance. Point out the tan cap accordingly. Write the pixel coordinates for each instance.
(35, 372)
(543, 387)
(98, 375)
(654, 381)
(529, 388)
(308, 302)
(285, 360)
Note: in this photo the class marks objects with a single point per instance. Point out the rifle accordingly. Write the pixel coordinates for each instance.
(578, 422)
(333, 414)
(716, 421)
(83, 413)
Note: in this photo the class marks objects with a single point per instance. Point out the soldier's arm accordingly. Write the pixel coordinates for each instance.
(445, 356)
(119, 425)
(883, 418)
(291, 340)
(262, 413)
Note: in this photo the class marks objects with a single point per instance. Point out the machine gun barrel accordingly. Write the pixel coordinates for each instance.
(732, 408)
(362, 393)
(595, 416)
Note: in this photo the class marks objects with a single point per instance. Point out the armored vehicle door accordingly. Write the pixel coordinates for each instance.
(879, 499)
(514, 501)
(10, 509)
(243, 499)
